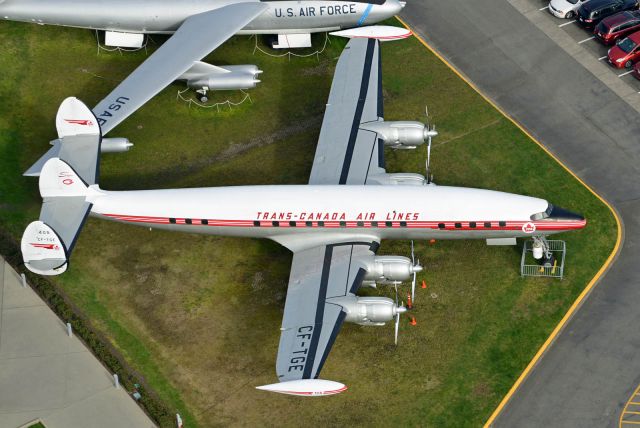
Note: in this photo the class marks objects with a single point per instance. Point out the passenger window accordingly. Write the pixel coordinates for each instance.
(187, 220)
(458, 225)
(472, 224)
(205, 222)
(292, 223)
(172, 220)
(343, 224)
(321, 224)
(374, 224)
(255, 223)
(440, 225)
(308, 224)
(502, 223)
(388, 223)
(275, 223)
(487, 224)
(403, 224)
(361, 224)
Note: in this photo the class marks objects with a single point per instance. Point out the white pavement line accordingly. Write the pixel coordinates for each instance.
(625, 73)
(566, 23)
(601, 58)
(544, 8)
(586, 40)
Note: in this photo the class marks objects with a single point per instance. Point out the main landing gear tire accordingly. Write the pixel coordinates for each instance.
(204, 99)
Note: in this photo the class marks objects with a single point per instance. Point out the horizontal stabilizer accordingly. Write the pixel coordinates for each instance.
(306, 387)
(42, 250)
(380, 32)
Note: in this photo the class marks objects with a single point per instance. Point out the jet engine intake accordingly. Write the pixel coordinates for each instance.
(399, 134)
(368, 310)
(390, 269)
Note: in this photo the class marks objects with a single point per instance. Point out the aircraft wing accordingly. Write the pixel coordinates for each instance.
(345, 153)
(197, 37)
(311, 321)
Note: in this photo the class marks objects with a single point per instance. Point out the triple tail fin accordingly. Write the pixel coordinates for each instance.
(65, 183)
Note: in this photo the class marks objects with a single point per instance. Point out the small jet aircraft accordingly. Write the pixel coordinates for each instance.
(333, 225)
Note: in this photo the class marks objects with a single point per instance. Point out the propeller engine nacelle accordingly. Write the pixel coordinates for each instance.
(389, 270)
(400, 134)
(213, 78)
(368, 310)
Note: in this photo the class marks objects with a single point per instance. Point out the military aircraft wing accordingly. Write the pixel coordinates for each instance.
(197, 37)
(345, 153)
(320, 276)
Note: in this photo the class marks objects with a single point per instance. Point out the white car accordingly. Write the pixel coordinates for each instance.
(565, 8)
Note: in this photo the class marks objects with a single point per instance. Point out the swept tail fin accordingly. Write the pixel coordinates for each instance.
(64, 187)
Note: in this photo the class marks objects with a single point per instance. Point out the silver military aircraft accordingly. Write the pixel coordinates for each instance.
(198, 27)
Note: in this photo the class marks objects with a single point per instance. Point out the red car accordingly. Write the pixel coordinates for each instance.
(625, 53)
(636, 71)
(617, 26)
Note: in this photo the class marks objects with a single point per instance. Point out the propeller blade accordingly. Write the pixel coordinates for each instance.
(413, 259)
(397, 325)
(413, 289)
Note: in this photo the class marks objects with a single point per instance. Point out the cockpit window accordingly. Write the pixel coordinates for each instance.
(546, 213)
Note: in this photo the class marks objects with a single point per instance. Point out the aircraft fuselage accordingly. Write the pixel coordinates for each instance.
(164, 17)
(306, 215)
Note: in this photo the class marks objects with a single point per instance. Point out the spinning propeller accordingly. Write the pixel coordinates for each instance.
(429, 133)
(416, 267)
(399, 310)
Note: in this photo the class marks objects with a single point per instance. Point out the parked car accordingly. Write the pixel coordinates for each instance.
(594, 11)
(636, 71)
(625, 53)
(618, 26)
(565, 8)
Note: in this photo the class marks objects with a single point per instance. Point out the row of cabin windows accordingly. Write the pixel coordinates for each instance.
(472, 224)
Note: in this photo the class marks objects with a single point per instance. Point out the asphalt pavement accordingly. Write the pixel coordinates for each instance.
(588, 374)
(47, 376)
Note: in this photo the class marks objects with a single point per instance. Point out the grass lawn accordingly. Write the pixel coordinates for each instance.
(199, 316)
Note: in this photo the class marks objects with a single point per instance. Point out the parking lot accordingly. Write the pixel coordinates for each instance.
(582, 45)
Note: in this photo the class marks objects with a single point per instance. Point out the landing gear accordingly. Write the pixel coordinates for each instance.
(542, 252)
(203, 94)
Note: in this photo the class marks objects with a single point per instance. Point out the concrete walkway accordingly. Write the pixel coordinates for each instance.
(46, 375)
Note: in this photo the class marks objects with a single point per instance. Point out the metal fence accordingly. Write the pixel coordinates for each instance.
(530, 266)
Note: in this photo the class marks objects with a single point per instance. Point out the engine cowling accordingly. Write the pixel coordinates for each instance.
(397, 179)
(389, 269)
(399, 134)
(230, 77)
(115, 145)
(368, 310)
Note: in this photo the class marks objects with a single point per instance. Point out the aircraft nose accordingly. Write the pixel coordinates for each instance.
(386, 10)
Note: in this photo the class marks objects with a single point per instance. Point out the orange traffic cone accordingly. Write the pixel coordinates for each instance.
(413, 321)
(424, 284)
(409, 303)
(432, 241)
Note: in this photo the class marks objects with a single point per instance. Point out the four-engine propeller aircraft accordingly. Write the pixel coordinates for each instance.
(333, 225)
